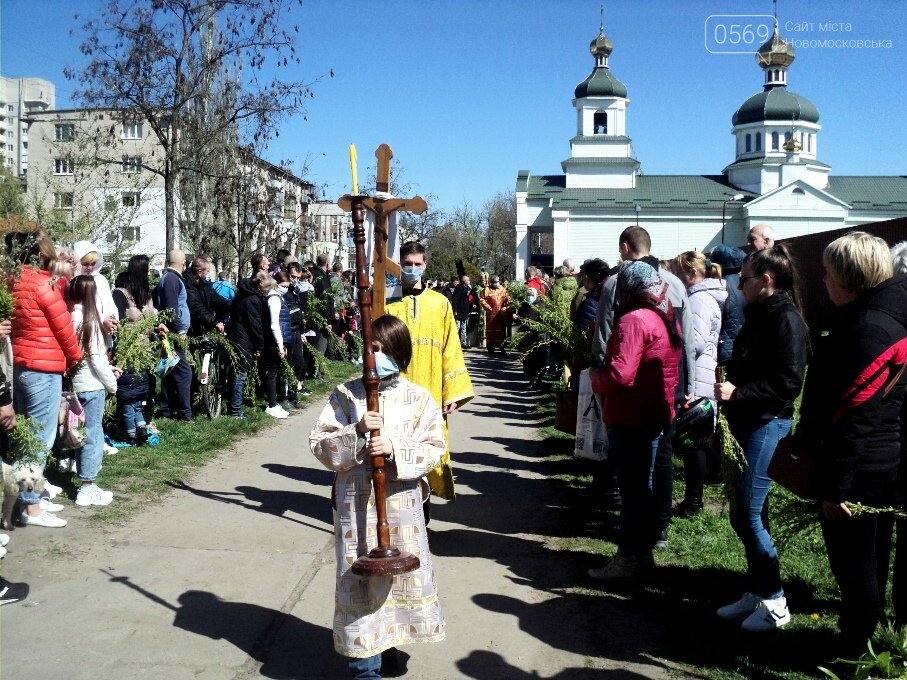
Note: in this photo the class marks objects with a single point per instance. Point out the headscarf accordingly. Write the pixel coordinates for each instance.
(640, 286)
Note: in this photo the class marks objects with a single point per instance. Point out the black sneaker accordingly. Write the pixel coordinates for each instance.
(12, 592)
(304, 392)
(287, 406)
(141, 435)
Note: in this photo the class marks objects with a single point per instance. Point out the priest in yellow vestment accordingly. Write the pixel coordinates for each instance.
(437, 363)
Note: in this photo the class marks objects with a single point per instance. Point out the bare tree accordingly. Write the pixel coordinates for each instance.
(500, 242)
(156, 58)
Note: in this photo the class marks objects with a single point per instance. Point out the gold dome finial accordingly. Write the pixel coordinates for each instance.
(775, 51)
(602, 45)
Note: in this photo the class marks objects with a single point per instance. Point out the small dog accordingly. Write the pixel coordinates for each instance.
(16, 478)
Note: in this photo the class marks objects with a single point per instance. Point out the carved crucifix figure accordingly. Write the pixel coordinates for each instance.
(383, 207)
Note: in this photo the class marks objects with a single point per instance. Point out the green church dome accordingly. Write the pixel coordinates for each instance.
(600, 83)
(777, 103)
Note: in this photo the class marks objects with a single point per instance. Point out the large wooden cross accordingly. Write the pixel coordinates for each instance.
(383, 207)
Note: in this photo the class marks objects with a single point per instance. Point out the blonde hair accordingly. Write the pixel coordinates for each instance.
(61, 269)
(90, 257)
(858, 261)
(694, 261)
(264, 282)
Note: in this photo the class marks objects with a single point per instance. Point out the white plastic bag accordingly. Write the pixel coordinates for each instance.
(591, 435)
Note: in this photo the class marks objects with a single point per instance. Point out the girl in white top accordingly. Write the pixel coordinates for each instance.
(92, 382)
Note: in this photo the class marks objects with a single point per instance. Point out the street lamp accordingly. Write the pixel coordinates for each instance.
(638, 208)
(731, 198)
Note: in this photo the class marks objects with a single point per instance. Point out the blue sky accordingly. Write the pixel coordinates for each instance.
(468, 92)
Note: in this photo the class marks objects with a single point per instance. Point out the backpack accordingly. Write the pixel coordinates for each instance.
(70, 423)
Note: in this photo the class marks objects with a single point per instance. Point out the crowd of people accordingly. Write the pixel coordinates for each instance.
(728, 328)
(61, 345)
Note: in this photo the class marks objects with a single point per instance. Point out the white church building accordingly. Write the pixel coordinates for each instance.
(776, 178)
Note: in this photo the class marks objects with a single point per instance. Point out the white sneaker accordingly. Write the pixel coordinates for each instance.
(769, 614)
(45, 519)
(92, 494)
(50, 506)
(4, 539)
(52, 489)
(740, 609)
(110, 450)
(277, 412)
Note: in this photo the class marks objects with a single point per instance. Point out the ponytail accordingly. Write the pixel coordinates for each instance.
(778, 262)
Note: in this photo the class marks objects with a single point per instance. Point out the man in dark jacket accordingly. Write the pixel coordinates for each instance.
(731, 260)
(205, 305)
(170, 294)
(247, 329)
(321, 281)
(463, 302)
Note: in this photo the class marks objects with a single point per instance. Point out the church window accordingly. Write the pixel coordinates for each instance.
(749, 142)
(600, 123)
(758, 141)
(809, 143)
(774, 141)
(798, 191)
(777, 75)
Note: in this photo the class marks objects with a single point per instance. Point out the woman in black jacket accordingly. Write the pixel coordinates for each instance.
(851, 415)
(247, 327)
(764, 378)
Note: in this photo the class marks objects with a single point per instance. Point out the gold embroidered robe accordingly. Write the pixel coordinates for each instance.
(495, 302)
(437, 365)
(374, 613)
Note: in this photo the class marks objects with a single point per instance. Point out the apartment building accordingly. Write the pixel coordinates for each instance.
(20, 97)
(332, 233)
(96, 170)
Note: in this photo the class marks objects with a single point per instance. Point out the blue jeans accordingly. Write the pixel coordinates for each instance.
(461, 327)
(758, 439)
(366, 669)
(89, 458)
(631, 450)
(37, 396)
(133, 416)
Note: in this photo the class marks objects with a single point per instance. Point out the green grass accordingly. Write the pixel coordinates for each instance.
(138, 475)
(701, 569)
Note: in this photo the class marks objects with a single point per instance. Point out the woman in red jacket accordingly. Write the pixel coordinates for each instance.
(638, 382)
(44, 348)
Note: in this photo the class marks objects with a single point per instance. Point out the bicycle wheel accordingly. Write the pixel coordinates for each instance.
(212, 394)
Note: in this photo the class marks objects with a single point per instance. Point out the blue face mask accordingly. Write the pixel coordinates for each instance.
(385, 366)
(411, 275)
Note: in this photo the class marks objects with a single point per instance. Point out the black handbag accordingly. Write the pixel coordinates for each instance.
(693, 423)
(793, 466)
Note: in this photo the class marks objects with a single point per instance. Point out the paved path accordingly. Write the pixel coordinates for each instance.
(231, 575)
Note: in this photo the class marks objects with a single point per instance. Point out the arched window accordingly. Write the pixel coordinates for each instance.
(774, 141)
(600, 123)
(749, 142)
(809, 143)
(787, 136)
(777, 75)
(758, 141)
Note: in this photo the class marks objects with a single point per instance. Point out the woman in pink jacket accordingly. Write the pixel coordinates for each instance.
(637, 381)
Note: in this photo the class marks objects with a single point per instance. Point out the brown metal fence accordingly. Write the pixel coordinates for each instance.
(808, 253)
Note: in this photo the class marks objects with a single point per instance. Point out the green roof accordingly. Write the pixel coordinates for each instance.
(761, 161)
(870, 192)
(651, 192)
(688, 191)
(600, 83)
(776, 103)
